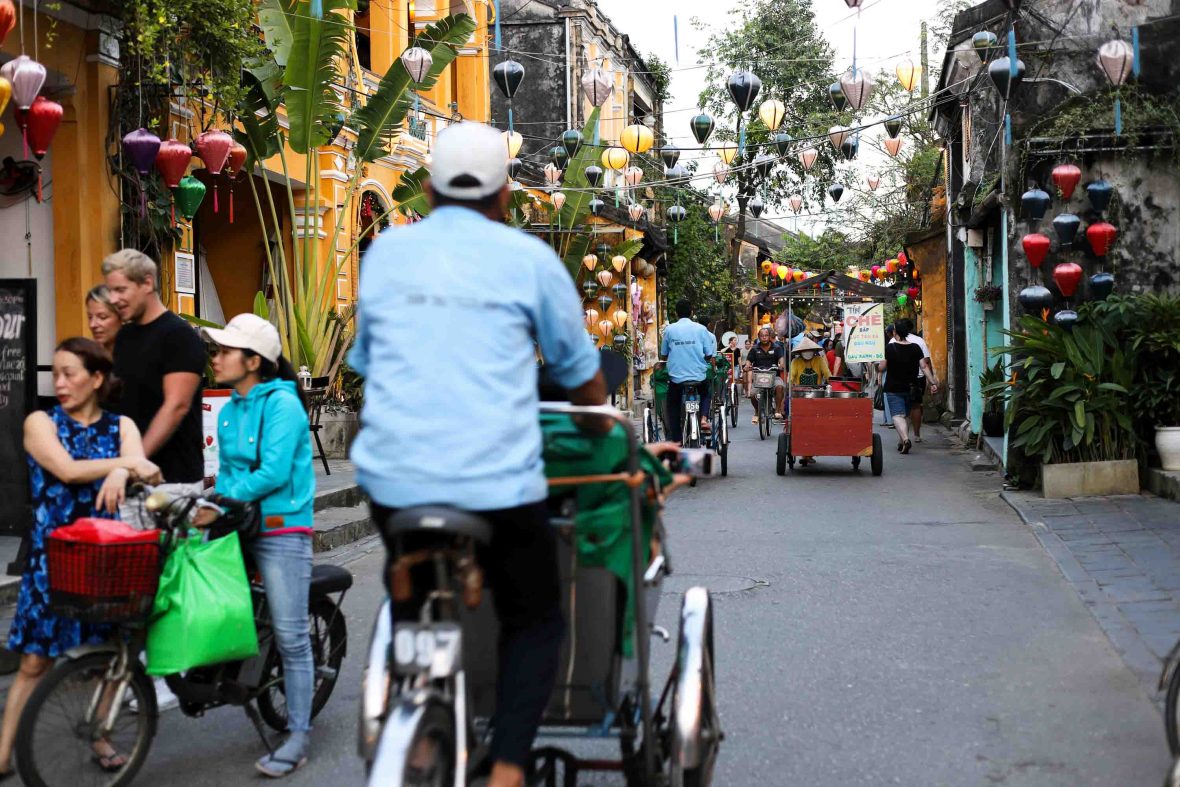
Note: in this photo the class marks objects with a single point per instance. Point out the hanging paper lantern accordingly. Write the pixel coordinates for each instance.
(558, 200)
(743, 88)
(508, 75)
(702, 127)
(1034, 203)
(606, 328)
(984, 42)
(807, 158)
(720, 172)
(893, 126)
(836, 191)
(1066, 318)
(590, 288)
(764, 164)
(1099, 193)
(590, 261)
(596, 205)
(728, 151)
(913, 292)
(620, 318)
(235, 160)
(999, 70)
(553, 173)
(873, 182)
(42, 122)
(873, 270)
(716, 211)
(605, 278)
(172, 160)
(1116, 59)
(598, 85)
(891, 266)
(677, 213)
(798, 275)
(837, 135)
(26, 76)
(1101, 285)
(615, 158)
(189, 193)
(418, 62)
(514, 166)
(1036, 248)
(796, 202)
(785, 273)
(632, 176)
(902, 299)
(1066, 225)
(513, 141)
(559, 156)
(908, 74)
(636, 211)
(836, 93)
(771, 113)
(1101, 235)
(669, 154)
(756, 206)
(857, 85)
(853, 3)
(768, 266)
(782, 142)
(620, 290)
(591, 317)
(139, 146)
(677, 176)
(213, 147)
(636, 138)
(849, 148)
(604, 302)
(1068, 276)
(893, 146)
(1035, 299)
(618, 262)
(7, 19)
(1067, 177)
(593, 174)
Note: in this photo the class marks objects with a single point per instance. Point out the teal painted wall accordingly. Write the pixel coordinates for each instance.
(984, 326)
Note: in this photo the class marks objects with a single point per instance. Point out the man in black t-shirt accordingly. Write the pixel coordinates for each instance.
(766, 355)
(160, 360)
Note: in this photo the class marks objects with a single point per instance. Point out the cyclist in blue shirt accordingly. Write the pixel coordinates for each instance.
(689, 348)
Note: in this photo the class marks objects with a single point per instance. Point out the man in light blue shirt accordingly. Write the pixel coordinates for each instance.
(450, 314)
(689, 348)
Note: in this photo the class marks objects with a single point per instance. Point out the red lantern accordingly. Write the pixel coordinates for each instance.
(875, 270)
(7, 19)
(172, 161)
(233, 165)
(42, 121)
(904, 260)
(891, 266)
(214, 147)
(1067, 177)
(1036, 248)
(913, 292)
(1068, 275)
(1101, 235)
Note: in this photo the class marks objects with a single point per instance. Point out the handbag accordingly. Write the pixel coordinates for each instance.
(243, 517)
(879, 399)
(203, 613)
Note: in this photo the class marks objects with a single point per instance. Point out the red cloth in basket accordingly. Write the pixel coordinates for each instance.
(102, 569)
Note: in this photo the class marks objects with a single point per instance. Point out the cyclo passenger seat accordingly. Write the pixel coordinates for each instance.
(444, 524)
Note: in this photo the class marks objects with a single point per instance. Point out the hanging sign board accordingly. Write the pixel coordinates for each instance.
(864, 326)
(18, 397)
(212, 400)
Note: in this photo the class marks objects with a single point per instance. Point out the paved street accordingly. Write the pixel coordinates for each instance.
(907, 629)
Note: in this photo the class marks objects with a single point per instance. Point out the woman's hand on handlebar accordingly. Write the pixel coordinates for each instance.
(113, 491)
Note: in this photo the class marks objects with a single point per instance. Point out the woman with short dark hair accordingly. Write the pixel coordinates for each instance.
(904, 360)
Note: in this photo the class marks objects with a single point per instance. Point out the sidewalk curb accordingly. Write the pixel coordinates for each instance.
(1133, 649)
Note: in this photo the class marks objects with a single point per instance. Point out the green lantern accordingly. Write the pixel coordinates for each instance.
(189, 194)
(902, 298)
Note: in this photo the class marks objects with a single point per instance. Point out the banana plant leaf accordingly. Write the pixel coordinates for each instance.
(317, 45)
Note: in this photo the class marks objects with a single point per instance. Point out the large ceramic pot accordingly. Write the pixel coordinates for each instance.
(1167, 443)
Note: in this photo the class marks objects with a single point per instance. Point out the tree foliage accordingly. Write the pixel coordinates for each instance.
(698, 267)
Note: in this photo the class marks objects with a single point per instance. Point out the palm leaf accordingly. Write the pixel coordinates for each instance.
(410, 193)
(260, 133)
(274, 17)
(317, 46)
(575, 213)
(379, 121)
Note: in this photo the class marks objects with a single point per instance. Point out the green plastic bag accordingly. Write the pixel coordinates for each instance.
(203, 613)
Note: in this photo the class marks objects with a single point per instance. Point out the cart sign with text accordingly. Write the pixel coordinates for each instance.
(18, 397)
(864, 326)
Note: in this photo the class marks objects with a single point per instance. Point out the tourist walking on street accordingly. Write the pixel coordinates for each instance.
(903, 362)
(101, 318)
(80, 458)
(265, 456)
(919, 390)
(160, 361)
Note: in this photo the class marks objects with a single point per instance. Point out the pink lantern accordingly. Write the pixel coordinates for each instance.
(632, 176)
(1116, 58)
(873, 182)
(553, 174)
(605, 278)
(636, 211)
(874, 270)
(893, 146)
(591, 317)
(720, 172)
(796, 202)
(716, 211)
(558, 200)
(213, 147)
(913, 292)
(837, 135)
(807, 158)
(606, 328)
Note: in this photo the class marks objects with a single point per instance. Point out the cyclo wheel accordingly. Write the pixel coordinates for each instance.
(1172, 713)
(733, 406)
(421, 742)
(55, 736)
(693, 746)
(722, 428)
(329, 644)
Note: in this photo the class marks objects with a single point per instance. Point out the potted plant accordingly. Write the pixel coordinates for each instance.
(340, 418)
(993, 403)
(1154, 337)
(987, 294)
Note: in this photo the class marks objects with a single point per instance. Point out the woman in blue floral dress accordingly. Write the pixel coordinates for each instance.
(80, 459)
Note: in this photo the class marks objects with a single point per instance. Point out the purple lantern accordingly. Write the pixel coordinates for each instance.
(140, 147)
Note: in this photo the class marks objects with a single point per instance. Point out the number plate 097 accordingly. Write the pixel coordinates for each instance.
(434, 649)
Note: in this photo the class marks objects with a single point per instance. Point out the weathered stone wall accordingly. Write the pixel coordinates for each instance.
(534, 36)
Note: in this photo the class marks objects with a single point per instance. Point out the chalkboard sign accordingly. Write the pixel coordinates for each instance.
(18, 397)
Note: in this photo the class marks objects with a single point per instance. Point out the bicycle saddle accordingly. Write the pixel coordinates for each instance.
(327, 578)
(439, 519)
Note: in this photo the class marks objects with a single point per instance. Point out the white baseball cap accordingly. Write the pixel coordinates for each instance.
(248, 332)
(469, 162)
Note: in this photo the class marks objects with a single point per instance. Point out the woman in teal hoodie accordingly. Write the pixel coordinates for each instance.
(265, 456)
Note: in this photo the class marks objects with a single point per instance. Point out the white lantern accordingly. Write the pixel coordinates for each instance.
(591, 317)
(605, 278)
(720, 172)
(553, 174)
(873, 182)
(26, 76)
(558, 200)
(796, 202)
(1115, 58)
(514, 141)
(838, 134)
(636, 211)
(716, 211)
(632, 176)
(857, 86)
(807, 158)
(598, 85)
(618, 262)
(606, 328)
(590, 261)
(620, 318)
(771, 113)
(418, 62)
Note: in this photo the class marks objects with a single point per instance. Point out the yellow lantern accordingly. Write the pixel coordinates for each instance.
(591, 318)
(766, 266)
(766, 319)
(620, 318)
(618, 262)
(771, 113)
(783, 272)
(605, 278)
(728, 152)
(893, 146)
(615, 158)
(800, 275)
(606, 328)
(908, 74)
(590, 261)
(513, 140)
(637, 138)
(5, 93)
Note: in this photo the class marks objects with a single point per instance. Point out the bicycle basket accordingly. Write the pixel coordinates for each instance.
(102, 571)
(764, 379)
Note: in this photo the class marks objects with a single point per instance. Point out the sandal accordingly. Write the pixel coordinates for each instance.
(908, 446)
(111, 763)
(278, 767)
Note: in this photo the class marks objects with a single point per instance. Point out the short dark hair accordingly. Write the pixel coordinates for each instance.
(481, 205)
(904, 327)
(95, 360)
(683, 308)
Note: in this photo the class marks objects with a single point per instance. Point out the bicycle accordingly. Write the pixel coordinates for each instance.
(764, 381)
(653, 429)
(719, 437)
(103, 693)
(690, 429)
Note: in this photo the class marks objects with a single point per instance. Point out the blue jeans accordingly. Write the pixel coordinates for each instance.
(897, 404)
(285, 564)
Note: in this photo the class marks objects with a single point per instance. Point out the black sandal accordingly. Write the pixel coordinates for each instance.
(908, 446)
(111, 763)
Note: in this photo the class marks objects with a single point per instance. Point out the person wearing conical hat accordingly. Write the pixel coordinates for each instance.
(809, 368)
